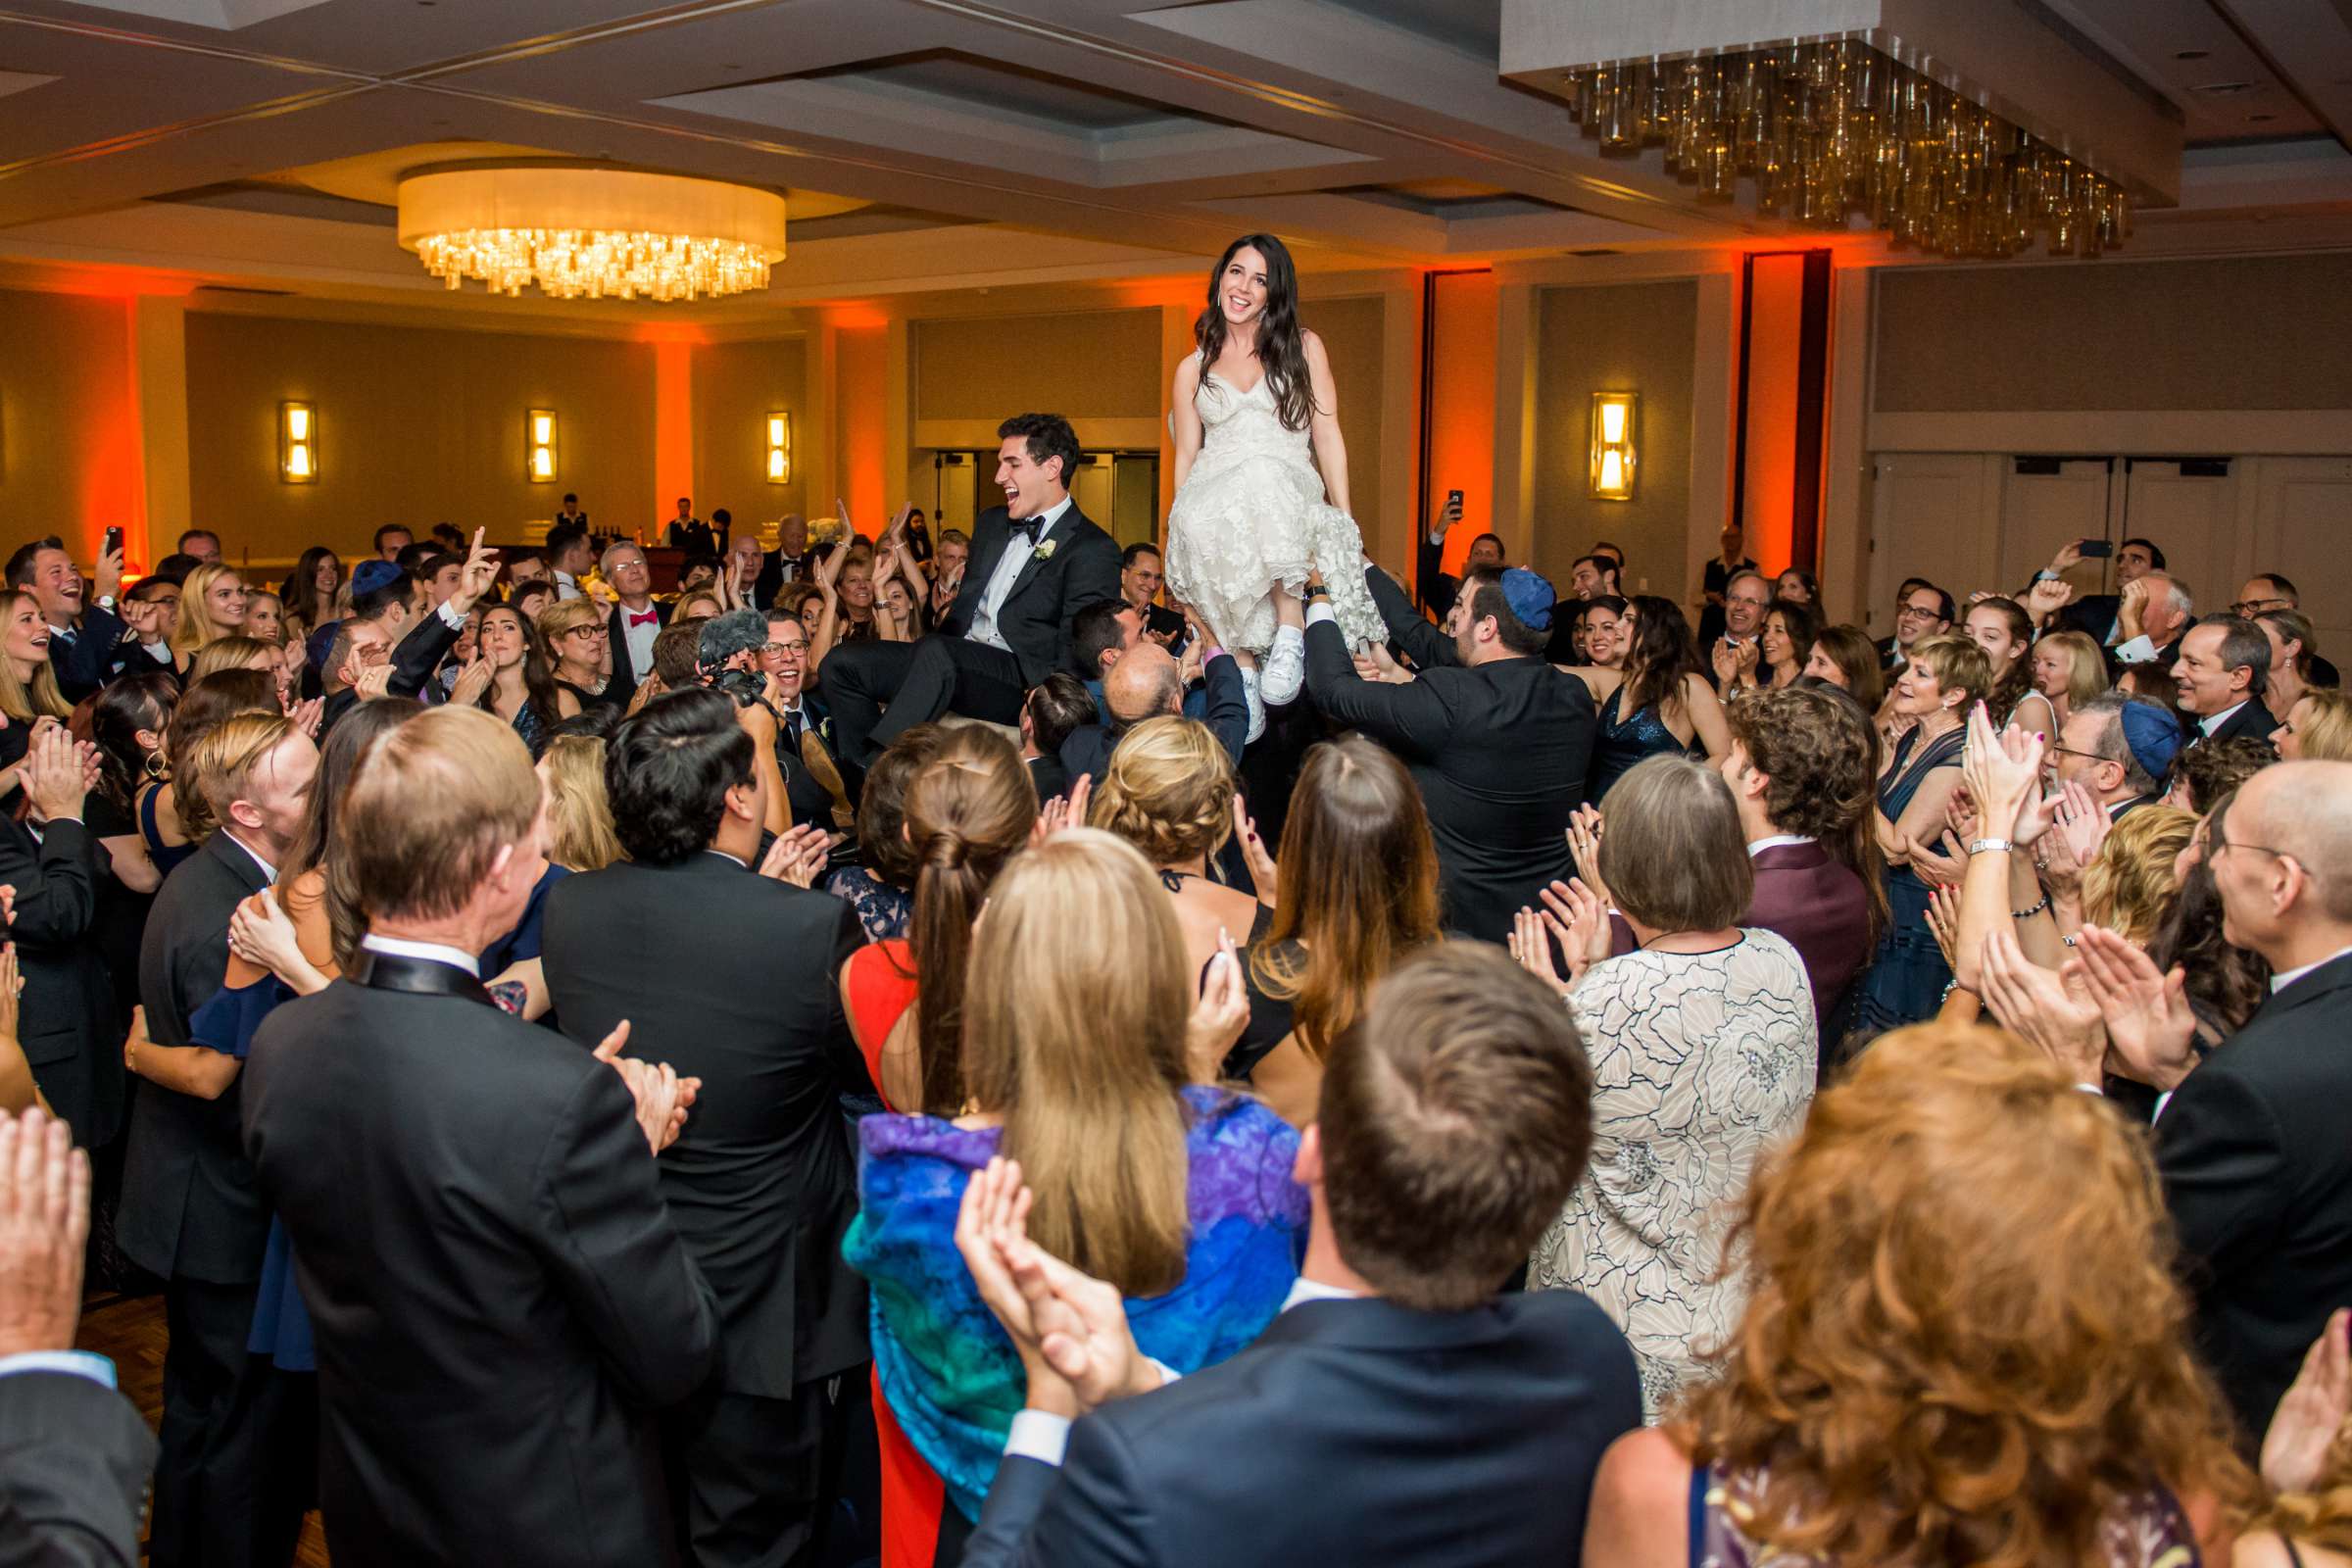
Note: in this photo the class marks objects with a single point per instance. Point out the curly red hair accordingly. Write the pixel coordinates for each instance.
(1964, 1342)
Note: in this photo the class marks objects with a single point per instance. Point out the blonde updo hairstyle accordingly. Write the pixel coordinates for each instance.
(1168, 790)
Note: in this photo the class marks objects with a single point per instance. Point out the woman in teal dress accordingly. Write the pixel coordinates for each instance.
(1944, 677)
(1091, 1062)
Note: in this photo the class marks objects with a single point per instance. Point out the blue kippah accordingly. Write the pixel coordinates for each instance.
(369, 575)
(2154, 737)
(1530, 596)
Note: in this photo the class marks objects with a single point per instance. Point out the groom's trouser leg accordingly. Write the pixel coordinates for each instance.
(953, 676)
(859, 679)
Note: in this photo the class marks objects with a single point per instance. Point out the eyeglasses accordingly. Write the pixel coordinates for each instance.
(2215, 845)
(2255, 606)
(591, 633)
(1920, 613)
(2056, 750)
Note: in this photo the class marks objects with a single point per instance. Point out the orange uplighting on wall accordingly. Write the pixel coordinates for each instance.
(673, 423)
(1458, 404)
(861, 371)
(1784, 336)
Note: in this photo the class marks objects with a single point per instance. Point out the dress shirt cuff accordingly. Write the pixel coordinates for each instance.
(1167, 1373)
(81, 1363)
(1038, 1435)
(2162, 1100)
(2099, 1090)
(452, 616)
(1320, 610)
(2138, 651)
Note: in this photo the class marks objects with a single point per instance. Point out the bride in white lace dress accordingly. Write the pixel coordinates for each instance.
(1261, 473)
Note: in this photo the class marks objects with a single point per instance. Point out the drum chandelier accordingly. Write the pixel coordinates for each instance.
(577, 231)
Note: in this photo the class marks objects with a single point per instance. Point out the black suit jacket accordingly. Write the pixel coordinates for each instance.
(693, 537)
(730, 977)
(625, 675)
(496, 1288)
(93, 657)
(65, 1020)
(2253, 719)
(1467, 1438)
(2092, 614)
(1049, 776)
(188, 1201)
(770, 581)
(75, 1459)
(1500, 752)
(1035, 617)
(2258, 1175)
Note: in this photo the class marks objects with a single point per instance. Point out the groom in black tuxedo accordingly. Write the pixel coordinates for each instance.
(1036, 563)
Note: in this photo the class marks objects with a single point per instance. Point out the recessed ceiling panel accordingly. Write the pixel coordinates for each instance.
(227, 14)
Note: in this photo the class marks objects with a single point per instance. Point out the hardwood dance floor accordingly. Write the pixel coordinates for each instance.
(130, 1330)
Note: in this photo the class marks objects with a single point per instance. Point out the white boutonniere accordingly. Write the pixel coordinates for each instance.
(1045, 552)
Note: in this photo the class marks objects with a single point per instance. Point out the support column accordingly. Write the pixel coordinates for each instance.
(159, 372)
(674, 426)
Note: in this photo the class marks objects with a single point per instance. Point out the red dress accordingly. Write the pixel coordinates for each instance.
(877, 988)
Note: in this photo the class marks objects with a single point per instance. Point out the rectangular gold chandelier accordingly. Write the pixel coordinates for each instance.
(1822, 130)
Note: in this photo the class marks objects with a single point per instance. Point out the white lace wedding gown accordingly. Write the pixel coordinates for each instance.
(1252, 512)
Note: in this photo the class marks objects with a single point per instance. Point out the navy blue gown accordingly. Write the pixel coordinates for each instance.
(1907, 976)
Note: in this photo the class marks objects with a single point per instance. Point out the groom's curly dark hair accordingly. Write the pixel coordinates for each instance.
(1049, 435)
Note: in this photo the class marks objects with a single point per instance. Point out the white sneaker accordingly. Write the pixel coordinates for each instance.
(1257, 707)
(1285, 667)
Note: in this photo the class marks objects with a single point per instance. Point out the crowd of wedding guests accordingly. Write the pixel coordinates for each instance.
(892, 1051)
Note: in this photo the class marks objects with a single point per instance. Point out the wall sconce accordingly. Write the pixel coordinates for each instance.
(539, 441)
(779, 448)
(1613, 444)
(296, 443)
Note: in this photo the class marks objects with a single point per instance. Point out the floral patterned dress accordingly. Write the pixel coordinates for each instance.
(2151, 1531)
(1699, 1061)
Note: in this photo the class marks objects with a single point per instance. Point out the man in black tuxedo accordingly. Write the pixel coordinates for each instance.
(85, 639)
(74, 1456)
(1036, 563)
(65, 1014)
(636, 619)
(791, 560)
(1425, 1417)
(1498, 739)
(2251, 1148)
(2223, 669)
(237, 1433)
(733, 978)
(499, 1297)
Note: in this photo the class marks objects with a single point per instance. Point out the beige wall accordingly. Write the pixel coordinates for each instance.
(69, 456)
(736, 386)
(1085, 364)
(1639, 337)
(2253, 333)
(414, 427)
(1352, 334)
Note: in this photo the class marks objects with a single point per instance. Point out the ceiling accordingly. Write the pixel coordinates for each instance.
(956, 144)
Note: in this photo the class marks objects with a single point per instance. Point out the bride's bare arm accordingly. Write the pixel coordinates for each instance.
(1331, 452)
(1184, 421)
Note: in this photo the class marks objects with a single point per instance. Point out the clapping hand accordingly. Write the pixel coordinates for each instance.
(2312, 1412)
(2145, 1011)
(1581, 913)
(1069, 1327)
(307, 714)
(663, 1097)
(1264, 876)
(2053, 1011)
(11, 989)
(1943, 923)
(1530, 942)
(44, 1225)
(798, 856)
(1220, 1014)
(472, 682)
(1063, 811)
(2003, 772)
(1946, 867)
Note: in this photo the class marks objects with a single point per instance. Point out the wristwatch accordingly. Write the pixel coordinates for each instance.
(106, 600)
(1981, 845)
(1316, 590)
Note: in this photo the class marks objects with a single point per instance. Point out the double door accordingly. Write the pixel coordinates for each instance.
(1971, 521)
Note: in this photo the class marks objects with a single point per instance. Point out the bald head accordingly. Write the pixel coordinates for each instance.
(2303, 809)
(1143, 684)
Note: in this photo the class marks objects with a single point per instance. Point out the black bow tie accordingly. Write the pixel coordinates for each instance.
(1028, 527)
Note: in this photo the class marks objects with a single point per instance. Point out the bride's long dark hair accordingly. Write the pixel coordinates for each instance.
(1281, 351)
